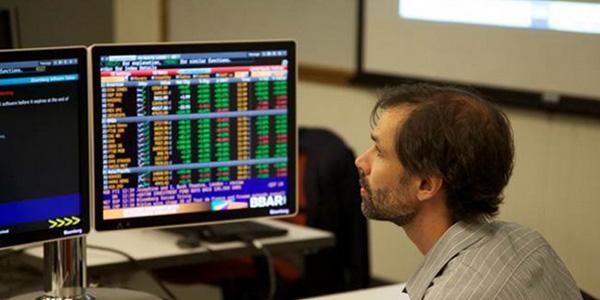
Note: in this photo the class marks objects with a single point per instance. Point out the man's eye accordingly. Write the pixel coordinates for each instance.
(378, 152)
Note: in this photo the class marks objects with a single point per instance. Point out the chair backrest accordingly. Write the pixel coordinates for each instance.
(332, 202)
(300, 218)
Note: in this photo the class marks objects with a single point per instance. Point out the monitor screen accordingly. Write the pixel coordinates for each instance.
(43, 145)
(193, 133)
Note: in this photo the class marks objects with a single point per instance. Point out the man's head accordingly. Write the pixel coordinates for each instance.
(435, 142)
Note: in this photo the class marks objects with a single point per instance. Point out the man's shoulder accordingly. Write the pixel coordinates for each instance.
(504, 246)
(510, 258)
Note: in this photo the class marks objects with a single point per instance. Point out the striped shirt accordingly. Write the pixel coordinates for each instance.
(494, 260)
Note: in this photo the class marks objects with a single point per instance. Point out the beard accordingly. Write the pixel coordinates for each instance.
(388, 204)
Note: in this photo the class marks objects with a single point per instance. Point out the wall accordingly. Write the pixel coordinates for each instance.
(44, 23)
(137, 21)
(324, 29)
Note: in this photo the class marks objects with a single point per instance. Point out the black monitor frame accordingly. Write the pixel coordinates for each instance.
(80, 53)
(97, 51)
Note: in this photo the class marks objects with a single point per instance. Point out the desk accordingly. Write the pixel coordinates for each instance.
(384, 292)
(156, 249)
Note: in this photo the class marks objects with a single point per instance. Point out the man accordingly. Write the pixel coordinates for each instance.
(440, 160)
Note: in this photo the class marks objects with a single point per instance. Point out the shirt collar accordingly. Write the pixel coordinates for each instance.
(458, 237)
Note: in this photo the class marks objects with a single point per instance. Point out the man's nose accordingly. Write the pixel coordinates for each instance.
(361, 163)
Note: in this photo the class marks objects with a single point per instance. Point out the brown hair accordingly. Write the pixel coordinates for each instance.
(457, 135)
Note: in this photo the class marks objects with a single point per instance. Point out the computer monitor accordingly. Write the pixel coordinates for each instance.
(44, 188)
(193, 133)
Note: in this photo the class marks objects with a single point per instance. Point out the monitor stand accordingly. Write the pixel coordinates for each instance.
(225, 232)
(65, 276)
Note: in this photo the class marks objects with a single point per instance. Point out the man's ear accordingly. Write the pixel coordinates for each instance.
(429, 187)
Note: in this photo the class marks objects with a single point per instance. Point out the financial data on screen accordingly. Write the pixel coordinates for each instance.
(194, 132)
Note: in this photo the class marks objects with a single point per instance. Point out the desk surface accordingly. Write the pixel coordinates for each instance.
(384, 292)
(153, 248)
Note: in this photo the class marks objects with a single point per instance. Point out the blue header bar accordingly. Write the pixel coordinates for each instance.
(194, 56)
(39, 79)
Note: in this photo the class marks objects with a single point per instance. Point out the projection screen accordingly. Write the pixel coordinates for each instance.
(546, 47)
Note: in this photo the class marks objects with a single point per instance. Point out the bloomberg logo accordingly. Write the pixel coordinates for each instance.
(267, 201)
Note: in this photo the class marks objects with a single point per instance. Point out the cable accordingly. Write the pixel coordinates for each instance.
(14, 277)
(138, 266)
(270, 265)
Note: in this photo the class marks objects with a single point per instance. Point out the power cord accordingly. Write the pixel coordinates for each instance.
(138, 266)
(256, 244)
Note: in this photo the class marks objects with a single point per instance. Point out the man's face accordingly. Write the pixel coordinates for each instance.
(386, 189)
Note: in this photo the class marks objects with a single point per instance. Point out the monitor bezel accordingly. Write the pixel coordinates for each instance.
(80, 52)
(199, 217)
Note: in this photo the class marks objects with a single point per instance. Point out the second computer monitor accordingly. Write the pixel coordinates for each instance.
(193, 133)
(44, 188)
